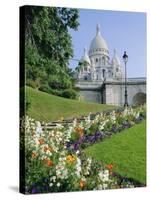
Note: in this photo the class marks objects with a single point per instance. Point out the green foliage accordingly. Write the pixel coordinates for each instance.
(69, 93)
(48, 46)
(27, 104)
(31, 83)
(45, 88)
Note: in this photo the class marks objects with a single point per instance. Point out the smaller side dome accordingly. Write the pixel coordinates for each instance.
(115, 59)
(85, 57)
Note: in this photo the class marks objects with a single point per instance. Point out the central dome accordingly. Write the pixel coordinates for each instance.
(98, 44)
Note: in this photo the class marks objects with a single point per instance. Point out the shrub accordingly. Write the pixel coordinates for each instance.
(46, 88)
(31, 83)
(57, 92)
(69, 93)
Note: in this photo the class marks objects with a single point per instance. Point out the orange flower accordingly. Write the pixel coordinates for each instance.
(34, 155)
(80, 131)
(41, 141)
(48, 149)
(48, 162)
(45, 149)
(70, 159)
(82, 184)
(109, 166)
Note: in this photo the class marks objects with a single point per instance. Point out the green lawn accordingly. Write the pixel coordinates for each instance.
(126, 150)
(49, 107)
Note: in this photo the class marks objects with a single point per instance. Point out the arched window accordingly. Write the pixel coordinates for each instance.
(109, 72)
(85, 78)
(100, 61)
(85, 68)
(117, 69)
(103, 60)
(96, 60)
(103, 73)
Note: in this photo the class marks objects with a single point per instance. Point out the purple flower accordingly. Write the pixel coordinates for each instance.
(76, 146)
(34, 191)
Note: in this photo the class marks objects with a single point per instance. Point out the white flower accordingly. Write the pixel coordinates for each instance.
(38, 128)
(74, 122)
(53, 178)
(58, 184)
(100, 187)
(77, 152)
(61, 170)
(78, 167)
(105, 185)
(104, 175)
(51, 184)
(60, 139)
(59, 126)
(137, 115)
(60, 159)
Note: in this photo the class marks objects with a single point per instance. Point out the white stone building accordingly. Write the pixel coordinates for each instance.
(96, 63)
(101, 79)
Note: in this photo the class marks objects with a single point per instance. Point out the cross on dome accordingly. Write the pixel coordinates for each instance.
(97, 29)
(85, 50)
(115, 52)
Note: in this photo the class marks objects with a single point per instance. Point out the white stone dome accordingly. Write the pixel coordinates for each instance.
(85, 57)
(98, 44)
(115, 59)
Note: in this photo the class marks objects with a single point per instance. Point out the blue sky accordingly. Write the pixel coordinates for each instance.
(125, 31)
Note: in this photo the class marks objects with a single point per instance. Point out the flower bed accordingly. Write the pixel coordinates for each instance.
(91, 131)
(52, 166)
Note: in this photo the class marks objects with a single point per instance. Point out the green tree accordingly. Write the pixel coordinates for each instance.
(48, 45)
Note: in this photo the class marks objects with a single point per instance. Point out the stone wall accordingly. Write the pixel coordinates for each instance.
(91, 96)
(115, 92)
(112, 93)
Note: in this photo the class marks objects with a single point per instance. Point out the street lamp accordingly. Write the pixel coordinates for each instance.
(125, 59)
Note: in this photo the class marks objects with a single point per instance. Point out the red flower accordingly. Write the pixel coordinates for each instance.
(109, 166)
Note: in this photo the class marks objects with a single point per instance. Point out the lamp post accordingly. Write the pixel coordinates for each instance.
(125, 59)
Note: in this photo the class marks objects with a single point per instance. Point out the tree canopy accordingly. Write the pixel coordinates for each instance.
(48, 46)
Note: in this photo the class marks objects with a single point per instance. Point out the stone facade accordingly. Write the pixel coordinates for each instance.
(96, 65)
(112, 93)
(101, 79)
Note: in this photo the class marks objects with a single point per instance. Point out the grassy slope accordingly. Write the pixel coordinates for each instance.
(49, 107)
(126, 150)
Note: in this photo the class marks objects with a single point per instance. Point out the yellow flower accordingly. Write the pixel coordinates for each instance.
(70, 159)
(80, 131)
